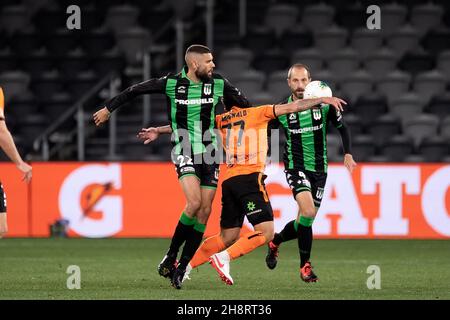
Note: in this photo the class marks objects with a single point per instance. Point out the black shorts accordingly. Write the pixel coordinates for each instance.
(245, 195)
(208, 174)
(2, 199)
(300, 180)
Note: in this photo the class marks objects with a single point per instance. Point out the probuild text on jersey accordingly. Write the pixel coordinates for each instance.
(195, 101)
(307, 129)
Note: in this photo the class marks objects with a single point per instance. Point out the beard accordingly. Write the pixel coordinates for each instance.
(299, 94)
(203, 75)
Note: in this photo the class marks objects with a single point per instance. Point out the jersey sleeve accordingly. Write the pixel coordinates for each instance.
(335, 117)
(232, 96)
(155, 85)
(2, 104)
(266, 113)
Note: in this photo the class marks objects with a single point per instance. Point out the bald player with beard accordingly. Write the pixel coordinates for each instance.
(192, 97)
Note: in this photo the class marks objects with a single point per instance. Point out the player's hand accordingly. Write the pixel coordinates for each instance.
(101, 116)
(335, 102)
(349, 163)
(26, 170)
(148, 135)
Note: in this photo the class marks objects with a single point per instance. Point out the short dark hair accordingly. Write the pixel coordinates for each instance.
(299, 65)
(198, 48)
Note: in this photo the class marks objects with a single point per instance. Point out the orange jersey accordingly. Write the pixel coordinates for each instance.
(244, 138)
(2, 103)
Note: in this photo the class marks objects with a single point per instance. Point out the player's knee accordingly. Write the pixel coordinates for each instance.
(203, 214)
(309, 213)
(3, 231)
(229, 240)
(193, 205)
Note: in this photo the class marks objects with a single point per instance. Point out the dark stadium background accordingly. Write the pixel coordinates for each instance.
(396, 79)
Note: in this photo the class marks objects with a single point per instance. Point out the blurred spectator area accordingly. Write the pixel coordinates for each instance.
(396, 79)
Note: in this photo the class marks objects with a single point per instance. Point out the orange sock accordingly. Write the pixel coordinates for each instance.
(209, 247)
(247, 243)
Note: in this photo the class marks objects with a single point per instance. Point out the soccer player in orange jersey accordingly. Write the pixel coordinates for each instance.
(8, 146)
(244, 135)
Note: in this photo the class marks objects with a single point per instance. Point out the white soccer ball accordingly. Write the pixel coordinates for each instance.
(317, 89)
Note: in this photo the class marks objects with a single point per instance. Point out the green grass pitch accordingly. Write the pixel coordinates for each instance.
(126, 269)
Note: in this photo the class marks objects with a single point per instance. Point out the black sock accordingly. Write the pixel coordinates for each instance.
(192, 244)
(288, 233)
(184, 227)
(305, 238)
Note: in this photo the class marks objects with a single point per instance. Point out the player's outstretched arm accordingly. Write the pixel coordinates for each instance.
(306, 104)
(151, 134)
(147, 87)
(8, 145)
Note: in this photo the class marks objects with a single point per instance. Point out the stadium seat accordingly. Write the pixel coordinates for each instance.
(14, 83)
(440, 105)
(421, 126)
(24, 103)
(49, 19)
(75, 61)
(8, 60)
(271, 60)
(263, 98)
(14, 18)
(426, 17)
(234, 60)
(133, 42)
(416, 61)
(380, 63)
(31, 126)
(326, 76)
(281, 17)
(407, 106)
(310, 57)
(363, 147)
(47, 84)
(404, 39)
(277, 85)
(316, 16)
(61, 41)
(334, 147)
(369, 107)
(25, 41)
(354, 123)
(109, 61)
(330, 39)
(414, 158)
(258, 39)
(397, 148)
(383, 128)
(379, 159)
(343, 62)
(434, 149)
(250, 82)
(82, 83)
(37, 62)
(366, 41)
(393, 16)
(394, 84)
(303, 39)
(356, 84)
(443, 63)
(352, 16)
(97, 41)
(429, 84)
(55, 105)
(437, 40)
(445, 128)
(121, 17)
